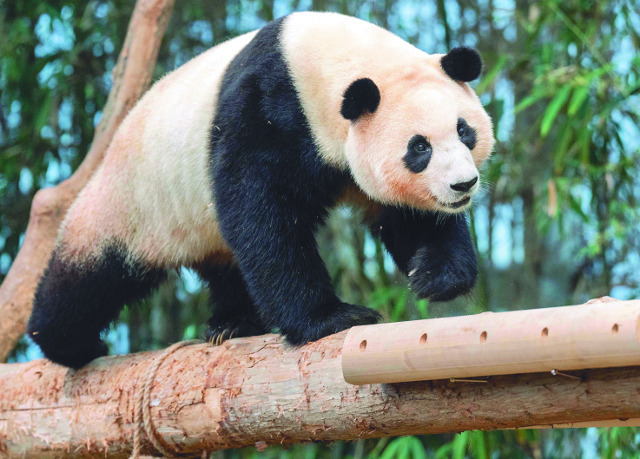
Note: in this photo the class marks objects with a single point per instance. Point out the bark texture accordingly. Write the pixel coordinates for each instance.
(131, 77)
(259, 391)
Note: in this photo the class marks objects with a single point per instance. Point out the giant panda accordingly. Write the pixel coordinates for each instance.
(230, 163)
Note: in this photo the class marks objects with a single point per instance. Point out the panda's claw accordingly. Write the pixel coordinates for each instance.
(236, 328)
(215, 338)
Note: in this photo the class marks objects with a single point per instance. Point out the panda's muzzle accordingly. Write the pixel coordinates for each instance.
(464, 187)
(457, 204)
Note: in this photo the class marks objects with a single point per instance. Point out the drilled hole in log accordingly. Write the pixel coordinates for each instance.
(614, 329)
(545, 332)
(363, 345)
(483, 336)
(423, 338)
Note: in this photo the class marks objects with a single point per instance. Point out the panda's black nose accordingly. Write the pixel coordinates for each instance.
(464, 186)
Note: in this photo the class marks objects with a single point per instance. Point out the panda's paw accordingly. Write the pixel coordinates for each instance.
(220, 331)
(329, 319)
(441, 278)
(78, 356)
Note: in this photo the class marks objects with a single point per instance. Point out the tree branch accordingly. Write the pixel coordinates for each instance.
(259, 391)
(131, 78)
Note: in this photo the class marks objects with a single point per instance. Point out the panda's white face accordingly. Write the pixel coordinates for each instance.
(422, 146)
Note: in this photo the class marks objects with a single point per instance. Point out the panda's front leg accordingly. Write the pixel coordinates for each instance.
(271, 233)
(433, 249)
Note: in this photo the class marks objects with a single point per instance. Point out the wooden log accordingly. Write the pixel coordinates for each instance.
(626, 422)
(131, 76)
(259, 391)
(596, 335)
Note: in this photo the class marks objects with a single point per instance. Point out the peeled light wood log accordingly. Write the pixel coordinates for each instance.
(596, 335)
(131, 77)
(259, 391)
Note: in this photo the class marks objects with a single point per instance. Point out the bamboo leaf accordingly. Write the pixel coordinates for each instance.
(577, 99)
(416, 448)
(423, 308)
(575, 206)
(43, 113)
(391, 450)
(553, 109)
(403, 449)
(584, 141)
(491, 75)
(528, 101)
(562, 146)
(444, 451)
(479, 449)
(460, 445)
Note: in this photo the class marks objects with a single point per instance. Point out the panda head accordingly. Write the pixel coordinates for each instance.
(417, 136)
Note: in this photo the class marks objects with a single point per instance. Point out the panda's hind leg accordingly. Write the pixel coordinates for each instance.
(78, 297)
(234, 314)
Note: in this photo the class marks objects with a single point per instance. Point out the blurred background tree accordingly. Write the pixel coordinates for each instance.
(558, 222)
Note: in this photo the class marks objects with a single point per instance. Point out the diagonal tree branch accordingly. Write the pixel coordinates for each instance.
(131, 78)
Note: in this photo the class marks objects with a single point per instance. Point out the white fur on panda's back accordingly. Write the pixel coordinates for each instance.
(154, 188)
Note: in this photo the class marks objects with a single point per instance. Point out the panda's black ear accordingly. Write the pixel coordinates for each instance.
(361, 96)
(462, 64)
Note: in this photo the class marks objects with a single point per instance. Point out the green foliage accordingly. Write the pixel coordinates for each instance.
(619, 442)
(404, 448)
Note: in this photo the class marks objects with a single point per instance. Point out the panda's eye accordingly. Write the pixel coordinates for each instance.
(466, 134)
(421, 147)
(418, 154)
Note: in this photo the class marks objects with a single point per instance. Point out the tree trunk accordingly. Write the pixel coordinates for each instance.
(259, 391)
(131, 76)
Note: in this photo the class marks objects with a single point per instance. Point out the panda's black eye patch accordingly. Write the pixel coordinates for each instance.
(418, 154)
(466, 134)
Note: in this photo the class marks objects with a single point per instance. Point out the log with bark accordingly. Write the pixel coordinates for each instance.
(259, 391)
(131, 77)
